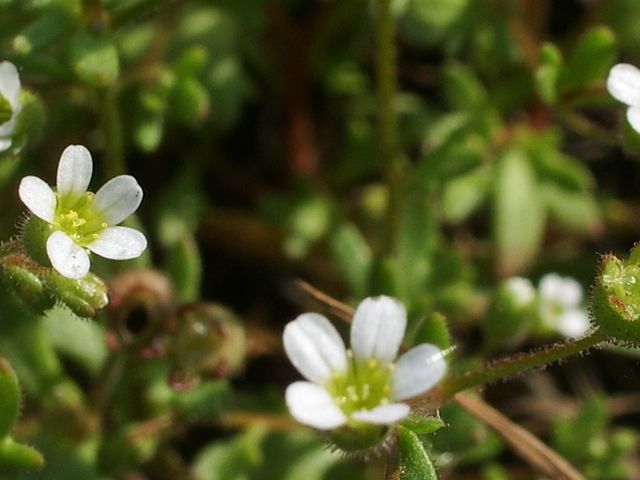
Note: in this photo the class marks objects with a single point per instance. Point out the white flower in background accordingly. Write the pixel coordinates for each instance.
(82, 220)
(623, 84)
(10, 90)
(561, 305)
(363, 385)
(521, 290)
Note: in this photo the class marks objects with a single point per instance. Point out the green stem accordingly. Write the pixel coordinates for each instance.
(510, 366)
(391, 161)
(112, 130)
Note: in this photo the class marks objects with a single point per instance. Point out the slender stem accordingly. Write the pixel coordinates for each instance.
(513, 365)
(391, 161)
(112, 130)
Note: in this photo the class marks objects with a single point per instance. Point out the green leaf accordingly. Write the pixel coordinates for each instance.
(9, 397)
(76, 338)
(433, 329)
(352, 256)
(15, 456)
(519, 217)
(576, 211)
(548, 73)
(462, 89)
(94, 59)
(184, 266)
(234, 460)
(423, 425)
(591, 60)
(415, 463)
(465, 194)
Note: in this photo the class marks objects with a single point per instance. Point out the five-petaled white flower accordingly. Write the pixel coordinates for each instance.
(623, 84)
(363, 385)
(560, 305)
(81, 220)
(10, 90)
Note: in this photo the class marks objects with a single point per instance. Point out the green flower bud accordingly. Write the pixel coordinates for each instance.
(616, 297)
(35, 233)
(85, 297)
(9, 397)
(24, 278)
(210, 341)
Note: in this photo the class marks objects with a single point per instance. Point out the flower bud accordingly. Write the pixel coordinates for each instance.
(616, 297)
(85, 296)
(210, 341)
(24, 278)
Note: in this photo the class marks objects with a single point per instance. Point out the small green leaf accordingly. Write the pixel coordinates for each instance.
(352, 256)
(94, 59)
(433, 329)
(462, 88)
(519, 217)
(548, 73)
(576, 211)
(15, 456)
(9, 397)
(591, 59)
(465, 194)
(415, 463)
(423, 425)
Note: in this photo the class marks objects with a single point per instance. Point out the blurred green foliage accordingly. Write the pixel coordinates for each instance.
(253, 128)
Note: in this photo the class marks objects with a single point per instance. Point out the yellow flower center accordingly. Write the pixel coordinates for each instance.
(78, 218)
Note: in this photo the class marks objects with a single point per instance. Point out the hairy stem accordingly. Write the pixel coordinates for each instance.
(519, 363)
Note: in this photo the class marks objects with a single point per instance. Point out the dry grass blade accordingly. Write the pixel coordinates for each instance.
(336, 307)
(526, 445)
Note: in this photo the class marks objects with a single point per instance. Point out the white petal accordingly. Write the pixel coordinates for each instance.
(417, 371)
(314, 347)
(522, 290)
(564, 291)
(633, 117)
(38, 197)
(9, 83)
(119, 243)
(74, 171)
(384, 415)
(573, 324)
(312, 405)
(118, 198)
(5, 143)
(66, 257)
(378, 328)
(623, 84)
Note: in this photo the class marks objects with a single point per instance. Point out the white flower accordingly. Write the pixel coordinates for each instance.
(363, 385)
(560, 305)
(521, 290)
(82, 220)
(623, 84)
(9, 89)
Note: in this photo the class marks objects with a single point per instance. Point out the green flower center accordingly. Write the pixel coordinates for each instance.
(78, 218)
(365, 385)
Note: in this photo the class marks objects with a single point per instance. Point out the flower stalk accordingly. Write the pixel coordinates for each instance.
(390, 158)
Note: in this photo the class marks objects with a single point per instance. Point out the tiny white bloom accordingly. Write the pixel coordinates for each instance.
(364, 385)
(9, 89)
(521, 290)
(623, 84)
(82, 220)
(561, 305)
